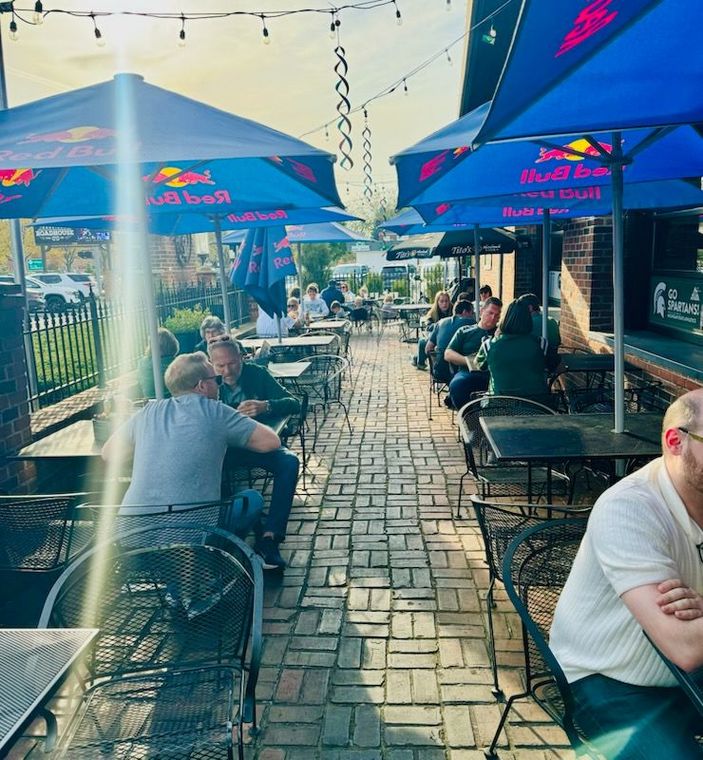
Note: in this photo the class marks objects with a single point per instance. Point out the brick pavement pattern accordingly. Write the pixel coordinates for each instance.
(375, 638)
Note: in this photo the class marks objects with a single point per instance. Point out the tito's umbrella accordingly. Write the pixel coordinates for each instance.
(264, 261)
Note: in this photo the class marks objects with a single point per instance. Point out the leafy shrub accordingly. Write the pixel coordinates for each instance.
(186, 320)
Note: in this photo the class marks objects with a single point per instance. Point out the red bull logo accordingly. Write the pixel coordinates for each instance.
(257, 216)
(442, 208)
(591, 193)
(72, 135)
(180, 177)
(564, 154)
(281, 244)
(15, 177)
(594, 17)
(437, 163)
(513, 212)
(297, 167)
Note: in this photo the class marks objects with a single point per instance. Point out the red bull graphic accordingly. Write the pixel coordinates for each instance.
(513, 212)
(564, 154)
(296, 167)
(15, 177)
(72, 135)
(442, 208)
(257, 216)
(279, 245)
(590, 193)
(575, 169)
(174, 176)
(437, 163)
(594, 17)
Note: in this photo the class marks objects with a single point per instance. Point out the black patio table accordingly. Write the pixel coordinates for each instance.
(572, 438)
(32, 664)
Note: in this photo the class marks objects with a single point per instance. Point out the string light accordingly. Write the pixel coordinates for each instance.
(398, 17)
(14, 34)
(99, 40)
(182, 33)
(448, 6)
(449, 58)
(265, 31)
(405, 87)
(38, 15)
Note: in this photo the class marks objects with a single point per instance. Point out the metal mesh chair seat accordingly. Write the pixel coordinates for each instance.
(164, 599)
(181, 715)
(502, 479)
(535, 568)
(499, 525)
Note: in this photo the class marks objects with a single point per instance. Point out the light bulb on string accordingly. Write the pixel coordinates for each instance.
(264, 31)
(398, 16)
(38, 15)
(449, 58)
(99, 39)
(448, 6)
(182, 33)
(327, 133)
(492, 32)
(405, 87)
(14, 33)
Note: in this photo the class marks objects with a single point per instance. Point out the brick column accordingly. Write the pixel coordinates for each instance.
(15, 432)
(586, 280)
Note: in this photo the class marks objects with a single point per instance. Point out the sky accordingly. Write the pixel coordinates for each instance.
(287, 85)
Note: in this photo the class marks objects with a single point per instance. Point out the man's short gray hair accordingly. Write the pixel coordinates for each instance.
(185, 372)
(684, 412)
(211, 323)
(233, 346)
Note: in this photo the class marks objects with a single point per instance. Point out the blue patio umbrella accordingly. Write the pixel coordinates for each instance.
(600, 66)
(67, 154)
(264, 261)
(304, 232)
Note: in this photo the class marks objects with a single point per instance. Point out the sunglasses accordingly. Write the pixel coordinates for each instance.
(695, 437)
(216, 378)
(219, 339)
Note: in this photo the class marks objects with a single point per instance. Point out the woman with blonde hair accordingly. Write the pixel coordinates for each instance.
(441, 308)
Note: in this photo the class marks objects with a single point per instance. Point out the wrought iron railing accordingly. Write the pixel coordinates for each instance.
(97, 340)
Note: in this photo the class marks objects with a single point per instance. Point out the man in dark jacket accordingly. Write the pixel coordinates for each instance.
(332, 293)
(252, 391)
(441, 334)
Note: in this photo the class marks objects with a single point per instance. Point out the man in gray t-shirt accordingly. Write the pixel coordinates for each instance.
(178, 445)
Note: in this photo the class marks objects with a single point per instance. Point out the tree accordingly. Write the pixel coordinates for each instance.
(316, 261)
(374, 211)
(31, 250)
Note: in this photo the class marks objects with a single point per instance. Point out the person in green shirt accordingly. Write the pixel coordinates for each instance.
(515, 358)
(252, 391)
(553, 335)
(168, 349)
(462, 349)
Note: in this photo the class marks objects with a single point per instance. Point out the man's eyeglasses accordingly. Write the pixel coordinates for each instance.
(216, 378)
(695, 436)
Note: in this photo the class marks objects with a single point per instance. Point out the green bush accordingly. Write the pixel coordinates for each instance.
(374, 283)
(434, 280)
(186, 320)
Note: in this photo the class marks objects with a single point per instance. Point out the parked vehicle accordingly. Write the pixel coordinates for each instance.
(35, 295)
(57, 295)
(343, 272)
(78, 281)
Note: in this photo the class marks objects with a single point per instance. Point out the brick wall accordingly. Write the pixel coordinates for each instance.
(165, 264)
(14, 408)
(586, 280)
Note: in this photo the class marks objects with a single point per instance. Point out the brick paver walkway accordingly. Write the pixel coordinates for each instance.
(374, 637)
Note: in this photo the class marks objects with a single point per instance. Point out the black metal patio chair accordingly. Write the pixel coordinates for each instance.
(437, 387)
(499, 525)
(168, 675)
(690, 683)
(535, 568)
(504, 480)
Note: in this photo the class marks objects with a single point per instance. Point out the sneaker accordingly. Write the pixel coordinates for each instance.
(413, 359)
(267, 549)
(448, 402)
(421, 366)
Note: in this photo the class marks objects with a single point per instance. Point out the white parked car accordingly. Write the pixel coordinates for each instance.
(56, 295)
(78, 281)
(35, 295)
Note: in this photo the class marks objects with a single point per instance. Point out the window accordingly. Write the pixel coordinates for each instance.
(678, 244)
(49, 279)
(79, 277)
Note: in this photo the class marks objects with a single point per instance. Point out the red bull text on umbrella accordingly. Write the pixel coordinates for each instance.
(574, 170)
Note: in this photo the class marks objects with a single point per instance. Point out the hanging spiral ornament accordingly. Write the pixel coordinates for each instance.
(367, 157)
(343, 109)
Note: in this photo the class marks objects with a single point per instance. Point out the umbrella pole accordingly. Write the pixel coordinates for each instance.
(618, 284)
(477, 269)
(546, 256)
(223, 273)
(278, 328)
(299, 250)
(152, 317)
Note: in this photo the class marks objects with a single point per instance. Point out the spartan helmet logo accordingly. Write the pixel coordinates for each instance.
(659, 302)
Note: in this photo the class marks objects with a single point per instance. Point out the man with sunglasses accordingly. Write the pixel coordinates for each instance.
(640, 569)
(253, 392)
(178, 445)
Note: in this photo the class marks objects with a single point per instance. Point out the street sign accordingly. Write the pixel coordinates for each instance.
(35, 265)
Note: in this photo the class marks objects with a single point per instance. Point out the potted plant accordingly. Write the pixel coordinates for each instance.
(185, 325)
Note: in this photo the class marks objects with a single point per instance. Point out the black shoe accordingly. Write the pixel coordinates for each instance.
(267, 549)
(413, 359)
(421, 366)
(448, 402)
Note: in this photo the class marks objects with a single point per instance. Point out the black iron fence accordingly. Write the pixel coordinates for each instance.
(97, 340)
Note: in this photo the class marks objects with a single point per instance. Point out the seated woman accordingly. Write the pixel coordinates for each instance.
(313, 304)
(348, 295)
(441, 308)
(515, 358)
(387, 310)
(210, 327)
(359, 313)
(168, 349)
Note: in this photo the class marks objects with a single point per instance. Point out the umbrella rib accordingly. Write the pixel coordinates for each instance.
(52, 190)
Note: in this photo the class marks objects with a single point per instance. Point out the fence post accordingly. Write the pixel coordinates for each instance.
(97, 339)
